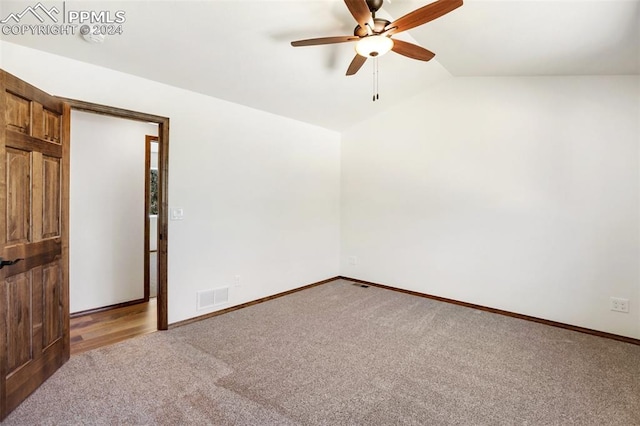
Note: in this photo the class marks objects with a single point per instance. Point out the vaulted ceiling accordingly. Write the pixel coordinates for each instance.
(240, 50)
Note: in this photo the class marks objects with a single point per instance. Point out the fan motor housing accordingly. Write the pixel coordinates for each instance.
(378, 26)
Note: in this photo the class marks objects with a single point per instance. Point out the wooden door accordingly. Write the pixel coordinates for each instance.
(34, 292)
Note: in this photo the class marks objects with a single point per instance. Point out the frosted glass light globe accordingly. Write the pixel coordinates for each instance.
(373, 46)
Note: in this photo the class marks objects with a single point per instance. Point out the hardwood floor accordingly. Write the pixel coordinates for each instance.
(105, 328)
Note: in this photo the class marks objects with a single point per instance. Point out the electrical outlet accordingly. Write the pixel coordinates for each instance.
(619, 305)
(353, 260)
(237, 281)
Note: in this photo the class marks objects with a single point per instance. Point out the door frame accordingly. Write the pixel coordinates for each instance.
(163, 188)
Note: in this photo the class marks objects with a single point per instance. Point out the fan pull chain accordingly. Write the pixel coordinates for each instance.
(376, 80)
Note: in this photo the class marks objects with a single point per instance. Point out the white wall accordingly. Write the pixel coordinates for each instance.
(260, 192)
(516, 193)
(106, 210)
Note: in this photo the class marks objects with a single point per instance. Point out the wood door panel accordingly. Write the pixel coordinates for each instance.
(34, 227)
(51, 181)
(18, 114)
(52, 303)
(51, 126)
(27, 379)
(18, 196)
(18, 315)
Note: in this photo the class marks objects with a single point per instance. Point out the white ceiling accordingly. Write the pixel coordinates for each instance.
(239, 50)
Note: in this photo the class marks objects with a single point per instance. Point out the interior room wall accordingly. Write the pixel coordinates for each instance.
(260, 192)
(106, 234)
(520, 194)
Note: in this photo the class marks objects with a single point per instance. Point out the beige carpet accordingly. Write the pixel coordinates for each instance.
(340, 354)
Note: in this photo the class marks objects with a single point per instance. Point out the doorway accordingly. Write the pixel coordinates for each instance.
(162, 186)
(151, 217)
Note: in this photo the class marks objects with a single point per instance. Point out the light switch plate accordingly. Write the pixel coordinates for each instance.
(176, 213)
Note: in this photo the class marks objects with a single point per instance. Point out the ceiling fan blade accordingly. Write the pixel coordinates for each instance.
(356, 64)
(422, 16)
(323, 40)
(360, 12)
(412, 51)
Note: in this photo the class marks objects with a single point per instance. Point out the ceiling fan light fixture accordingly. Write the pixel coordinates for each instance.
(374, 46)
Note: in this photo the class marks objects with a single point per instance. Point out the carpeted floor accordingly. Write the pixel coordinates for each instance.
(340, 354)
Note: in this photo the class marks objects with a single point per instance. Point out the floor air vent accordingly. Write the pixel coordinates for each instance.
(209, 298)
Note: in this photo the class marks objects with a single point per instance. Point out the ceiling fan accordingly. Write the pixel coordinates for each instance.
(373, 35)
